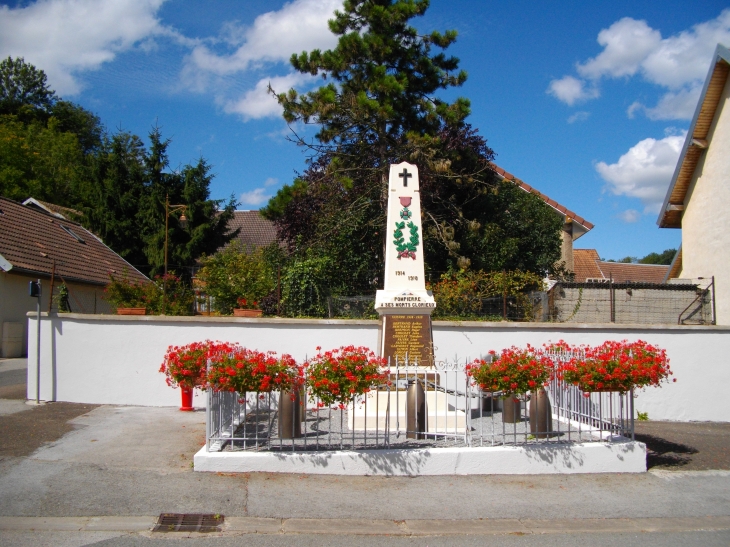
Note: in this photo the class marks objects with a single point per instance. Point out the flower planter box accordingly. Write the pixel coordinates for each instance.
(131, 311)
(237, 312)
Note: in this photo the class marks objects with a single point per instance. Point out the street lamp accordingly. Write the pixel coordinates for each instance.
(183, 224)
(183, 221)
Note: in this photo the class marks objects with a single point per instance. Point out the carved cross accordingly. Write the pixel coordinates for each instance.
(405, 175)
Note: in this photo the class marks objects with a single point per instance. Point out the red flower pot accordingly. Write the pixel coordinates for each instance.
(239, 312)
(187, 399)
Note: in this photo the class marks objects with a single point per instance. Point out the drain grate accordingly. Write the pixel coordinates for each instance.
(188, 522)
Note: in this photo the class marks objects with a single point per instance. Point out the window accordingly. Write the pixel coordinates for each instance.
(72, 234)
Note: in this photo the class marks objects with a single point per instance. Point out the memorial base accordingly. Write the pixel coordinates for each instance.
(442, 414)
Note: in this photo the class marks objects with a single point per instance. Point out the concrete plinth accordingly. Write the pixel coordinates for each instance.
(441, 413)
(544, 458)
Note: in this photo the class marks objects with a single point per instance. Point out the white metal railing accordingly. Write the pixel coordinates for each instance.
(419, 407)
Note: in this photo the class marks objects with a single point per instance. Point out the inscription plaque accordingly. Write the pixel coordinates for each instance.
(407, 335)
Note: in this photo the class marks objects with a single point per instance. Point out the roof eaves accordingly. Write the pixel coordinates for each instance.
(722, 54)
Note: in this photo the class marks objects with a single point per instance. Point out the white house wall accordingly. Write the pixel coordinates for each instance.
(116, 359)
(706, 219)
(15, 302)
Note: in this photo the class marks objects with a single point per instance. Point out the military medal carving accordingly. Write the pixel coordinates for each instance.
(406, 250)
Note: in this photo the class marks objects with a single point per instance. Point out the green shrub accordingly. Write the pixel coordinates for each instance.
(233, 274)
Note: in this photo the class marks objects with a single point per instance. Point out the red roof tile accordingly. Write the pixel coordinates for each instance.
(588, 265)
(585, 265)
(30, 240)
(622, 272)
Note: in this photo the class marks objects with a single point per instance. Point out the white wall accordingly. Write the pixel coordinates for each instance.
(15, 302)
(705, 234)
(115, 359)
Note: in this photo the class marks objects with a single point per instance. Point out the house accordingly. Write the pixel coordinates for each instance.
(574, 226)
(253, 230)
(38, 244)
(698, 198)
(590, 268)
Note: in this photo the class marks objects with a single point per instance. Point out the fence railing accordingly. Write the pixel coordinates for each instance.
(420, 407)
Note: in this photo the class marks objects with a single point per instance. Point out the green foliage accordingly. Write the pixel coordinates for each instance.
(57, 151)
(378, 108)
(459, 295)
(664, 258)
(126, 293)
(164, 295)
(61, 299)
(208, 219)
(23, 85)
(642, 416)
(305, 286)
(40, 161)
(510, 229)
(171, 295)
(384, 74)
(234, 273)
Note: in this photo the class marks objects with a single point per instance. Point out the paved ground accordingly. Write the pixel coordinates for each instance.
(73, 475)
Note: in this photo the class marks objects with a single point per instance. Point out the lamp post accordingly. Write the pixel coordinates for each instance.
(183, 223)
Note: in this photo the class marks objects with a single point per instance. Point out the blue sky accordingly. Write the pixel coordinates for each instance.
(586, 101)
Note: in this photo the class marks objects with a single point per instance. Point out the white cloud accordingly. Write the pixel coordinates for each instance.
(626, 44)
(259, 49)
(579, 116)
(298, 26)
(673, 105)
(630, 216)
(678, 63)
(256, 197)
(259, 196)
(67, 37)
(258, 103)
(644, 171)
(571, 90)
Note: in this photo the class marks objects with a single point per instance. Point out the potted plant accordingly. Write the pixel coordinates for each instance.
(616, 366)
(242, 370)
(127, 297)
(185, 367)
(247, 308)
(335, 377)
(513, 373)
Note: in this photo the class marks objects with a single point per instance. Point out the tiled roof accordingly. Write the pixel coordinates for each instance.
(31, 239)
(551, 202)
(585, 264)
(644, 273)
(255, 230)
(588, 265)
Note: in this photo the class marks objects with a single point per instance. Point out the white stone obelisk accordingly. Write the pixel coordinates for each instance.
(404, 304)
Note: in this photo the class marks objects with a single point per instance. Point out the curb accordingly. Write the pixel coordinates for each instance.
(410, 527)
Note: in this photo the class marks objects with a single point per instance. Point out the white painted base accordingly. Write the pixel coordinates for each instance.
(611, 457)
(440, 414)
